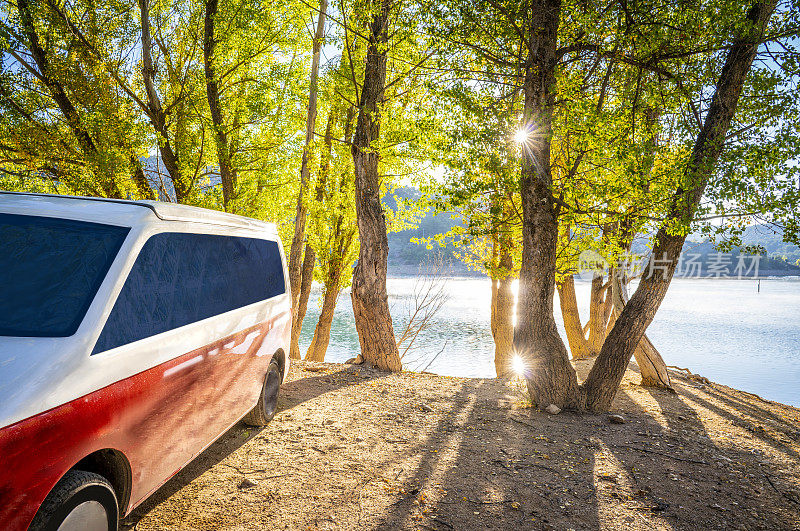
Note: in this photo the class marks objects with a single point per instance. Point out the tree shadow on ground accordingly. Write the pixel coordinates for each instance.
(301, 390)
(486, 465)
(759, 421)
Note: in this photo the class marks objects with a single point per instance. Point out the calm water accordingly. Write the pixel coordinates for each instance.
(722, 329)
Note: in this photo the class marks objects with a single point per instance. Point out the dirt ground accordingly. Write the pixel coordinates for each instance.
(355, 449)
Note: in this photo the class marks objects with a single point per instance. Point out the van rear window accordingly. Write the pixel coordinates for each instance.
(50, 270)
(181, 278)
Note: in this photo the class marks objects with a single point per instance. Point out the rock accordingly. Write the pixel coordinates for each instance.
(616, 419)
(659, 506)
(247, 484)
(425, 407)
(553, 409)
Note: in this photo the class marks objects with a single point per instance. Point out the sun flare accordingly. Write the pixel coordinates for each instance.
(518, 365)
(521, 136)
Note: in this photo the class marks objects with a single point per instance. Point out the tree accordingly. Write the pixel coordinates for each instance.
(607, 372)
(570, 188)
(61, 129)
(368, 292)
(551, 379)
(482, 189)
(300, 276)
(335, 233)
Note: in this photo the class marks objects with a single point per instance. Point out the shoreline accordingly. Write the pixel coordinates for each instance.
(353, 448)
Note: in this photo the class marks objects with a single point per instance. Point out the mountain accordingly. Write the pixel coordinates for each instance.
(700, 256)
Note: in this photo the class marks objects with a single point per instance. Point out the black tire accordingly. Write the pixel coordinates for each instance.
(268, 401)
(80, 501)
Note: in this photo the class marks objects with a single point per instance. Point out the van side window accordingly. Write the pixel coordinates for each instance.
(181, 278)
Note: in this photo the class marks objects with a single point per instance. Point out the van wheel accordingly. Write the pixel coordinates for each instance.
(80, 501)
(268, 403)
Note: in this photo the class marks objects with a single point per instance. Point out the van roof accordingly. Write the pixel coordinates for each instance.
(162, 210)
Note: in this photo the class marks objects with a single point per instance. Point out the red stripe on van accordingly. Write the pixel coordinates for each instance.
(159, 419)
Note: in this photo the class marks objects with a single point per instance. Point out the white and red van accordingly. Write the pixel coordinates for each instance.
(132, 335)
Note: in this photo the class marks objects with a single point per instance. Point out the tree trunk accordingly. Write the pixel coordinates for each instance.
(156, 111)
(550, 377)
(599, 310)
(651, 365)
(370, 301)
(139, 178)
(296, 250)
(503, 332)
(609, 368)
(307, 278)
(310, 256)
(227, 173)
(576, 338)
(343, 239)
(322, 333)
(502, 297)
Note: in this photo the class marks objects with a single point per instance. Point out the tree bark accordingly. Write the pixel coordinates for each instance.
(139, 178)
(307, 278)
(370, 300)
(322, 332)
(576, 338)
(550, 377)
(227, 173)
(599, 310)
(301, 211)
(503, 329)
(502, 304)
(156, 113)
(609, 368)
(651, 365)
(343, 239)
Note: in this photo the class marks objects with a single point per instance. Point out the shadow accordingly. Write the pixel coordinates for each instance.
(685, 468)
(486, 466)
(416, 451)
(662, 467)
(746, 417)
(292, 393)
(229, 442)
(296, 392)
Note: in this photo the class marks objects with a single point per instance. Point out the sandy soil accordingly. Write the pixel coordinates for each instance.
(355, 449)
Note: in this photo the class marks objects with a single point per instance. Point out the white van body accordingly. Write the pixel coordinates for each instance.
(168, 394)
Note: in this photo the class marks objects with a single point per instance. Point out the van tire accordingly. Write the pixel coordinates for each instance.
(85, 497)
(268, 401)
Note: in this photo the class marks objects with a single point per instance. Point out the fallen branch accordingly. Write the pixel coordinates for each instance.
(783, 494)
(522, 422)
(691, 375)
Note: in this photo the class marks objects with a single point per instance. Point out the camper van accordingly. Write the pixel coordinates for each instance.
(132, 335)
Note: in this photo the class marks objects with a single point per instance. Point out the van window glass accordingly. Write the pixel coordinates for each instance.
(180, 278)
(50, 271)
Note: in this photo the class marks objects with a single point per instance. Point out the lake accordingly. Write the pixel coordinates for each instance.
(723, 329)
